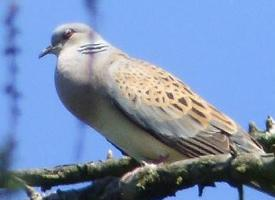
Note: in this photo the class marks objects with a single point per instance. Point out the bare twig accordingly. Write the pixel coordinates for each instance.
(31, 193)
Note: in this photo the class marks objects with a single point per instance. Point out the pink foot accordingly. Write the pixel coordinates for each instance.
(152, 164)
(129, 175)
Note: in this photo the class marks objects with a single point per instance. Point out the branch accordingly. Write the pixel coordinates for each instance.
(32, 194)
(148, 180)
(110, 181)
(75, 173)
(265, 138)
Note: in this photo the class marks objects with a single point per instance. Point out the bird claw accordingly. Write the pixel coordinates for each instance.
(129, 175)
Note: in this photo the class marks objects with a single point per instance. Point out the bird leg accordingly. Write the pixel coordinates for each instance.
(129, 175)
(151, 164)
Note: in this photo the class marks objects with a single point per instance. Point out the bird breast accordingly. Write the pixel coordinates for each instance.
(84, 98)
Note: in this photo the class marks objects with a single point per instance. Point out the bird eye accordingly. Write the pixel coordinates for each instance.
(68, 33)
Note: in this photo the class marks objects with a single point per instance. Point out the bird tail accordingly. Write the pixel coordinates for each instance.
(245, 143)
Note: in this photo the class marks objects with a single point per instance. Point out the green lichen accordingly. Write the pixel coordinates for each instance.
(179, 180)
(241, 168)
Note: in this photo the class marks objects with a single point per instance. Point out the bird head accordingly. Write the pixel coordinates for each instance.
(70, 34)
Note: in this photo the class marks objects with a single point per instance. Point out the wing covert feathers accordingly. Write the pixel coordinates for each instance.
(152, 86)
(170, 110)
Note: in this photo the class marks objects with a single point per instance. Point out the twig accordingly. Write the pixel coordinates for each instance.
(75, 173)
(267, 137)
(31, 193)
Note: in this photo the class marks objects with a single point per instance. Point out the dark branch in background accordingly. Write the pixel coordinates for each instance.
(10, 53)
(91, 7)
(110, 181)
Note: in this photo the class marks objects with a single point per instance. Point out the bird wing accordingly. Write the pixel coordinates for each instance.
(168, 109)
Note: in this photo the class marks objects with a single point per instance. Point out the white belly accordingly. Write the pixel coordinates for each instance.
(132, 139)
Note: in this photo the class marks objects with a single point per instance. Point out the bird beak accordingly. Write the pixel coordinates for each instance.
(46, 51)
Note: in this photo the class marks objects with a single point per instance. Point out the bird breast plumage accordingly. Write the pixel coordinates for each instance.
(89, 104)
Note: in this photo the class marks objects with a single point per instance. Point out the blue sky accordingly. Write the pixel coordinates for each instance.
(224, 49)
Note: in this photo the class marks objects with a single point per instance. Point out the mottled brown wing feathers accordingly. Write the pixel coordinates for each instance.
(170, 110)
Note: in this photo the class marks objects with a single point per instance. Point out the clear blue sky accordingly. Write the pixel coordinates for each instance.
(224, 49)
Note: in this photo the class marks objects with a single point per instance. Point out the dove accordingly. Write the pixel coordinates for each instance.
(145, 111)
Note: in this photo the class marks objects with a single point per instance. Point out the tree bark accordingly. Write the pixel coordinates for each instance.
(117, 179)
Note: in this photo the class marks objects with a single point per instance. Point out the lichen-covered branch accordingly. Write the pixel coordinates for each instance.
(247, 169)
(147, 182)
(75, 173)
(110, 181)
(265, 138)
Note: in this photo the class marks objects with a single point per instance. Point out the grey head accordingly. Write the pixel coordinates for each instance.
(75, 34)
